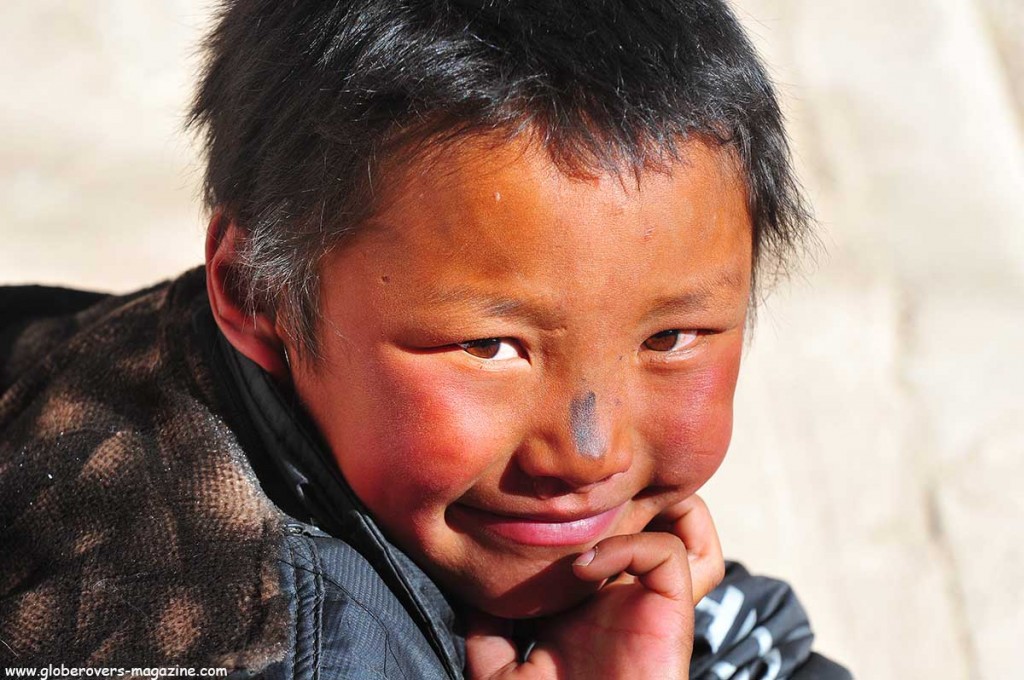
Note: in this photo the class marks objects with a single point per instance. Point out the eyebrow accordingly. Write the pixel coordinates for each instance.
(701, 298)
(494, 305)
(473, 300)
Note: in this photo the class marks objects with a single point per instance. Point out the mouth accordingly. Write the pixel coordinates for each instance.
(539, 530)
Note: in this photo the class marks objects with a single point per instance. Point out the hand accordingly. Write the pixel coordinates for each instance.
(638, 625)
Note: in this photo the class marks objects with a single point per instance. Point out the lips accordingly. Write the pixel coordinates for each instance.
(538, 530)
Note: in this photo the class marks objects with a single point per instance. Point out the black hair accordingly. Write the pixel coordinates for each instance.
(301, 100)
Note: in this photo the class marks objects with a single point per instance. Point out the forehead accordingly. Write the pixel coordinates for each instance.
(483, 215)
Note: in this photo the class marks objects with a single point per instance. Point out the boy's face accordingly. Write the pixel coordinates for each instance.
(518, 364)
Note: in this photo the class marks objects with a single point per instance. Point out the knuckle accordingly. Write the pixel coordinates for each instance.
(674, 543)
(699, 506)
(660, 541)
(671, 549)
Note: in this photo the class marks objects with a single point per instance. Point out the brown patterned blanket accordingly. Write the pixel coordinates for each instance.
(132, 529)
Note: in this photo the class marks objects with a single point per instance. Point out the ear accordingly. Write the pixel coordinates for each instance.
(256, 336)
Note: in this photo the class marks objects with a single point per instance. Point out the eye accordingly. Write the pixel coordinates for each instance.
(670, 341)
(494, 349)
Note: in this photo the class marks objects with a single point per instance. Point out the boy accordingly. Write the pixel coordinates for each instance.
(465, 345)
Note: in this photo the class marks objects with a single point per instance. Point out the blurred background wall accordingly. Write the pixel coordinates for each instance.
(879, 445)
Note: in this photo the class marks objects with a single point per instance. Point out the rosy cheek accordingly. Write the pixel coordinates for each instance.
(695, 432)
(444, 432)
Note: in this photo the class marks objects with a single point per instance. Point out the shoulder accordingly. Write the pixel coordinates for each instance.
(34, 320)
(133, 528)
(347, 621)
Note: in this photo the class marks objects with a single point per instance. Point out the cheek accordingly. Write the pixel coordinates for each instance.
(442, 433)
(693, 435)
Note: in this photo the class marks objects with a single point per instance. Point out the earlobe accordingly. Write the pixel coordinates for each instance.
(254, 335)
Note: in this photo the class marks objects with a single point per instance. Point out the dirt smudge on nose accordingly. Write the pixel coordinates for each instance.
(584, 426)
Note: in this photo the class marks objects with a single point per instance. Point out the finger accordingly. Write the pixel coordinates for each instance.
(489, 646)
(690, 520)
(657, 560)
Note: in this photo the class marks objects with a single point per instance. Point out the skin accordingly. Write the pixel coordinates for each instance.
(503, 340)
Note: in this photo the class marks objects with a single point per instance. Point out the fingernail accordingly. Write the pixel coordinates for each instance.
(586, 558)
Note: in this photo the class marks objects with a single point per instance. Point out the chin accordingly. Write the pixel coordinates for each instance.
(549, 591)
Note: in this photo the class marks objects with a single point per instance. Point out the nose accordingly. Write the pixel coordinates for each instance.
(583, 443)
